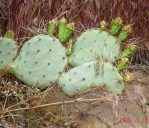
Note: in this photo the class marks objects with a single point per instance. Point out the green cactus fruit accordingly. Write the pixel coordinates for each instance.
(52, 27)
(123, 64)
(9, 34)
(103, 25)
(116, 26)
(129, 51)
(89, 75)
(69, 48)
(125, 33)
(40, 61)
(65, 30)
(94, 44)
(8, 51)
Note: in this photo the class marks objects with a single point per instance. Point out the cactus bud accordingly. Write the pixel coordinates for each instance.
(9, 34)
(116, 25)
(125, 32)
(52, 27)
(129, 51)
(128, 77)
(103, 25)
(63, 20)
(65, 30)
(123, 64)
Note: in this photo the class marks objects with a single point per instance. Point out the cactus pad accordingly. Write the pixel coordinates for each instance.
(94, 44)
(40, 61)
(91, 74)
(8, 51)
(113, 80)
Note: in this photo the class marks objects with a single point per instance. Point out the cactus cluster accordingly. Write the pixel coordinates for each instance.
(42, 60)
(94, 58)
(91, 74)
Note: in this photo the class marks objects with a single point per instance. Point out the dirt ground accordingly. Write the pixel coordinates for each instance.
(93, 109)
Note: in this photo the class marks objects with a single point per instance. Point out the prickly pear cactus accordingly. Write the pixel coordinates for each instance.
(92, 44)
(99, 43)
(40, 61)
(89, 75)
(8, 51)
(94, 55)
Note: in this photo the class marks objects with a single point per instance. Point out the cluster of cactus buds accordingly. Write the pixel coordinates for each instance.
(102, 46)
(128, 52)
(65, 30)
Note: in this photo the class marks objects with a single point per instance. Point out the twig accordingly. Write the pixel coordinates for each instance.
(54, 104)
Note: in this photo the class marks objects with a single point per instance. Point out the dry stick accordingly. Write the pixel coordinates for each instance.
(53, 104)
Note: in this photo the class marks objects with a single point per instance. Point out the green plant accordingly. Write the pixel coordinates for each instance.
(98, 43)
(96, 54)
(8, 51)
(52, 27)
(128, 52)
(40, 62)
(9, 34)
(41, 59)
(65, 30)
(94, 44)
(89, 75)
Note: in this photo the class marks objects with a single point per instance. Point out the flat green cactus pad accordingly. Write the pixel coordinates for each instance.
(94, 44)
(112, 79)
(8, 51)
(40, 61)
(91, 74)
